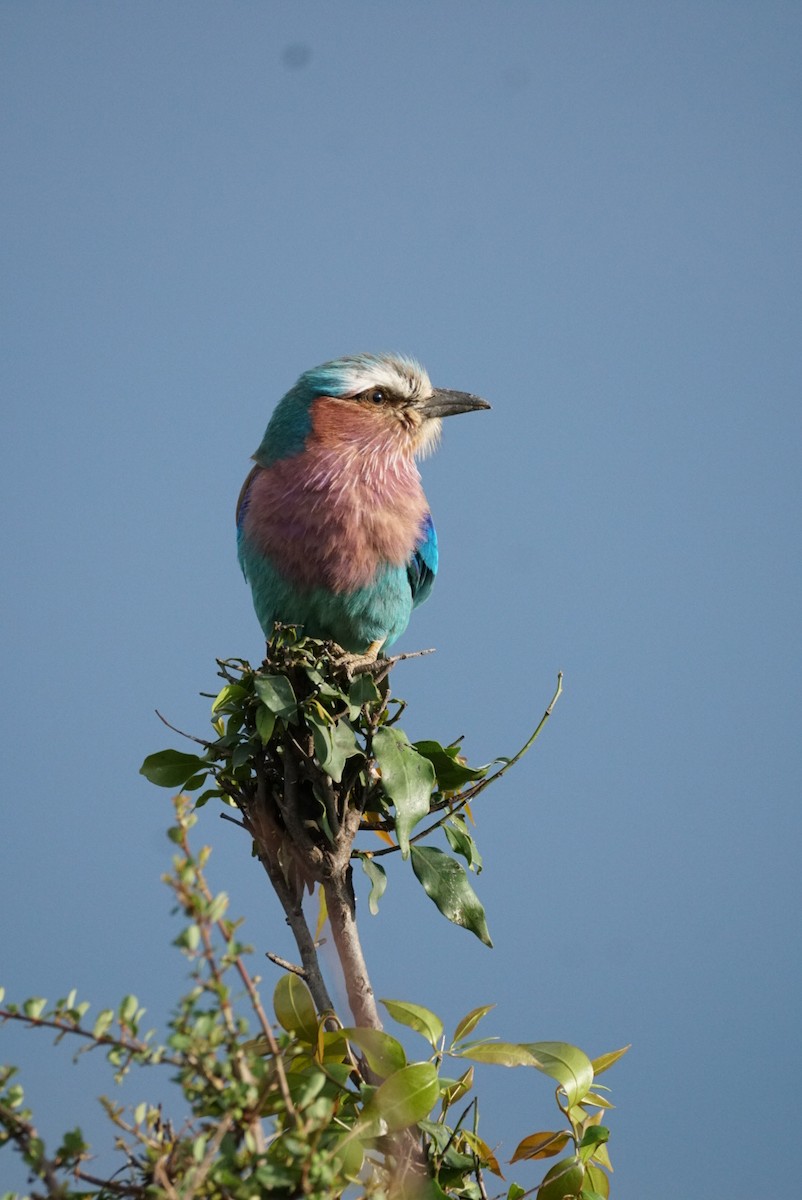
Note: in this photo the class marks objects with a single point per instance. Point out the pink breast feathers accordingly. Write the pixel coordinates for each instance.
(349, 503)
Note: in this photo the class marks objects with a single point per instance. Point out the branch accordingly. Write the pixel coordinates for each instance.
(338, 889)
(293, 968)
(189, 736)
(31, 1147)
(240, 1063)
(196, 1177)
(455, 804)
(260, 822)
(135, 1046)
(466, 797)
(301, 932)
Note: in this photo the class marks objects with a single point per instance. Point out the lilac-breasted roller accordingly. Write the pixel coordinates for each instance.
(333, 529)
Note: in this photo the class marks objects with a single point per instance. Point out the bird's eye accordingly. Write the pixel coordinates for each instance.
(377, 396)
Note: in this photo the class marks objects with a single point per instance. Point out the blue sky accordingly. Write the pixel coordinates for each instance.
(588, 214)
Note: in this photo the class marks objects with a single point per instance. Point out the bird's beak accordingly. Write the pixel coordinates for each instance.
(445, 403)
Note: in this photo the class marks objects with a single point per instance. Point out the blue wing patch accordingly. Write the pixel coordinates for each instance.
(242, 508)
(422, 567)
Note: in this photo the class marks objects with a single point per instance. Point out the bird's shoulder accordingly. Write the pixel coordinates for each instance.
(422, 566)
(245, 493)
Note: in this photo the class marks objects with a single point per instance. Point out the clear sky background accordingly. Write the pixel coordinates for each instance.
(589, 214)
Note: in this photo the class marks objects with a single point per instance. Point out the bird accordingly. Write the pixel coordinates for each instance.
(334, 532)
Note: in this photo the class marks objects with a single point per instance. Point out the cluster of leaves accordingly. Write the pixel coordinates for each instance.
(365, 761)
(302, 1103)
(299, 1106)
(408, 1093)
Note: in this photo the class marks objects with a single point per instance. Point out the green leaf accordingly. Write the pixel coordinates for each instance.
(363, 691)
(321, 734)
(601, 1157)
(217, 907)
(541, 1145)
(378, 881)
(209, 794)
(440, 1135)
(275, 692)
(349, 1156)
(462, 843)
(425, 1189)
(516, 1192)
(456, 1089)
(343, 741)
(446, 883)
(406, 1097)
(171, 768)
(593, 1137)
(469, 1022)
(265, 723)
(605, 1061)
(563, 1180)
(271, 1178)
(502, 1054)
(306, 1085)
(451, 774)
(34, 1007)
(567, 1064)
(102, 1023)
(241, 755)
(199, 1148)
(72, 1145)
(230, 694)
(196, 782)
(482, 1151)
(416, 1017)
(189, 938)
(127, 1011)
(597, 1186)
(384, 1053)
(334, 744)
(407, 778)
(295, 1008)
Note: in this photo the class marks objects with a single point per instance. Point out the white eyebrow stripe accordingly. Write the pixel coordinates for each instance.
(403, 379)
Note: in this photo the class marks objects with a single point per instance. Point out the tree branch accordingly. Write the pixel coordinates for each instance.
(338, 888)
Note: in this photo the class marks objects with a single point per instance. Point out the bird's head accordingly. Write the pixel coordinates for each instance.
(365, 399)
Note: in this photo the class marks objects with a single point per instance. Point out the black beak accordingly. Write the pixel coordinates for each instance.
(444, 403)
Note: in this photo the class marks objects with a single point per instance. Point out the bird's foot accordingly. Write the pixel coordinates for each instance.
(370, 663)
(359, 664)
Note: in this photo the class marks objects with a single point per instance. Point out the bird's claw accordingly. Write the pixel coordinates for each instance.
(359, 664)
(370, 663)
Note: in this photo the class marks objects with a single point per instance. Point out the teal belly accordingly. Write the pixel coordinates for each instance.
(378, 612)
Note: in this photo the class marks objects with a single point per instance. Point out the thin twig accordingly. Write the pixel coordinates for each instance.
(189, 736)
(198, 1175)
(472, 792)
(483, 783)
(225, 817)
(131, 1047)
(456, 1128)
(293, 968)
(302, 934)
(160, 1176)
(121, 1189)
(228, 1014)
(26, 1137)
